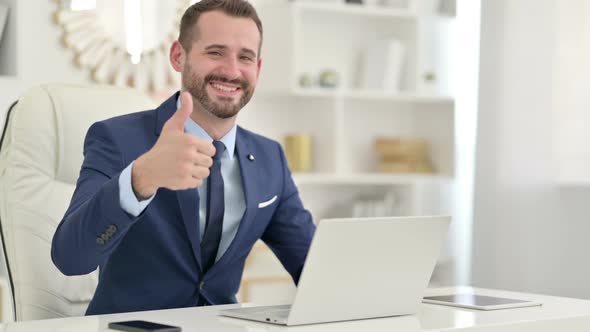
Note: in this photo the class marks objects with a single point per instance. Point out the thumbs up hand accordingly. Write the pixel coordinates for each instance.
(177, 161)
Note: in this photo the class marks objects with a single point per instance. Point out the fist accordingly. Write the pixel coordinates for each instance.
(177, 161)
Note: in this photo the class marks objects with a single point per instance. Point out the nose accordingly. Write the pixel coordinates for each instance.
(230, 68)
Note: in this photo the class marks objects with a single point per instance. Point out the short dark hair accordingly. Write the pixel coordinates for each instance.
(235, 8)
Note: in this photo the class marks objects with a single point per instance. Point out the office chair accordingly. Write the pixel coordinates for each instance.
(40, 159)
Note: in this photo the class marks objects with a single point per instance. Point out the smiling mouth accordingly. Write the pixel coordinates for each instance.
(224, 89)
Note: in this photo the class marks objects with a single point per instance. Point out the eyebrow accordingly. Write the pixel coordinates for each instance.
(219, 46)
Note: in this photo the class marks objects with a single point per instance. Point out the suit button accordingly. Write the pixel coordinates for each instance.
(201, 285)
(100, 241)
(112, 229)
(104, 237)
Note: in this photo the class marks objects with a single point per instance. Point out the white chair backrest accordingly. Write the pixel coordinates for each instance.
(39, 164)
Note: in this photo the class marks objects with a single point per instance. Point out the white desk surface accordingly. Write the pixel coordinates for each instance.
(556, 314)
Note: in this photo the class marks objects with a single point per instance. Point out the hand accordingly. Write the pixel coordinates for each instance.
(177, 161)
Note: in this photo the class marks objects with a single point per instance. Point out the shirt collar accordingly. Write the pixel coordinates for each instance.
(193, 128)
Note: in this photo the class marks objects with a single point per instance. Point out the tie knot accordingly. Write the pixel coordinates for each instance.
(219, 148)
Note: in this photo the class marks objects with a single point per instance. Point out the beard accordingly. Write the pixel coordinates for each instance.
(223, 107)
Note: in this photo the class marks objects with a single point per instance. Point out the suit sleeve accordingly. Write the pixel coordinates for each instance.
(94, 223)
(127, 199)
(291, 229)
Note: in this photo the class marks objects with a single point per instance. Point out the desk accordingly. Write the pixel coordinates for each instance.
(556, 314)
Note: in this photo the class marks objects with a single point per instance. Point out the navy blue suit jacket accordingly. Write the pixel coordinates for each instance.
(153, 261)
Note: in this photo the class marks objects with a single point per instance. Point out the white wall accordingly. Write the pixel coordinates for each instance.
(39, 57)
(530, 234)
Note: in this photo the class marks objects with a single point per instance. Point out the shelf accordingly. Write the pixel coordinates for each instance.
(355, 9)
(366, 179)
(367, 95)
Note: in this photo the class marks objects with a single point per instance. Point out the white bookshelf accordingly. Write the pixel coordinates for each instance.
(309, 37)
(343, 122)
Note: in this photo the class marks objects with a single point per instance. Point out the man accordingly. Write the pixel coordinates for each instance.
(168, 216)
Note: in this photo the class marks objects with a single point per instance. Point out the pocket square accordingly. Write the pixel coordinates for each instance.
(267, 203)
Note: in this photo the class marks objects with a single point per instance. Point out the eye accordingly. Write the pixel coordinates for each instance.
(215, 53)
(246, 58)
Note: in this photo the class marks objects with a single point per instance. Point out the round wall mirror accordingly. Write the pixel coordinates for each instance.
(123, 42)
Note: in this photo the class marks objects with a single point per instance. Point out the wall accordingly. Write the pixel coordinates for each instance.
(530, 234)
(39, 57)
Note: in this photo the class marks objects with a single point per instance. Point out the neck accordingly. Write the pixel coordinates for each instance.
(214, 126)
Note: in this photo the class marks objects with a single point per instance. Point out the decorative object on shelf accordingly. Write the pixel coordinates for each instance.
(123, 42)
(298, 151)
(429, 84)
(329, 79)
(306, 80)
(354, 1)
(383, 66)
(3, 19)
(397, 155)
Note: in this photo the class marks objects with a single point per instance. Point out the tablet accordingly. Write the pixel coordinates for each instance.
(480, 302)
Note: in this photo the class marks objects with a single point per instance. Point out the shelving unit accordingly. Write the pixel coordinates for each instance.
(344, 121)
(309, 37)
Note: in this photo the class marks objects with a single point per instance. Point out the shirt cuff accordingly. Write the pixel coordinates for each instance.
(127, 198)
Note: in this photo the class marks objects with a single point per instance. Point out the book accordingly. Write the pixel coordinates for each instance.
(383, 66)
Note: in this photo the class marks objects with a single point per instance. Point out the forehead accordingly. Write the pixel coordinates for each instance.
(215, 27)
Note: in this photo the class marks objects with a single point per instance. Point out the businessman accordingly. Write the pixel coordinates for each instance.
(170, 201)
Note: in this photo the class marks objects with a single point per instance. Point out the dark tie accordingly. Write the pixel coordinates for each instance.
(215, 210)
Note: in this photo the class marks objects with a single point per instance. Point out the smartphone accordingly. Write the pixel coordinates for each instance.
(142, 326)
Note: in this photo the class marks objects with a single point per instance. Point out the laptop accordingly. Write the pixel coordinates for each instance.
(359, 268)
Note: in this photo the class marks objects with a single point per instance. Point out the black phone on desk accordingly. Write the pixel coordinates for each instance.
(142, 326)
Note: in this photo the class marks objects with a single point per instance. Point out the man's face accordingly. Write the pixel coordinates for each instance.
(221, 70)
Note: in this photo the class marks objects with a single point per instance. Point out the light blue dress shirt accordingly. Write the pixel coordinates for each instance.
(235, 202)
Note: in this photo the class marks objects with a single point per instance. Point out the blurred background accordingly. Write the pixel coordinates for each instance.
(469, 108)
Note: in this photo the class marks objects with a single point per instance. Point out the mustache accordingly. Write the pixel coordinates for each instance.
(212, 77)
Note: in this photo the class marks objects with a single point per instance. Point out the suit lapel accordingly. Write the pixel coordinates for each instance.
(188, 200)
(249, 172)
(165, 112)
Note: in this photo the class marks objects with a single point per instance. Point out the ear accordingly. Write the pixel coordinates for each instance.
(259, 67)
(177, 56)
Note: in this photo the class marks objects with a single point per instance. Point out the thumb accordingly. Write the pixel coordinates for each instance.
(179, 118)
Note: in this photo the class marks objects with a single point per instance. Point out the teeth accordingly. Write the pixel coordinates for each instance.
(224, 88)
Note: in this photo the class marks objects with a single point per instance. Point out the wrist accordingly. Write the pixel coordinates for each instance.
(141, 181)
